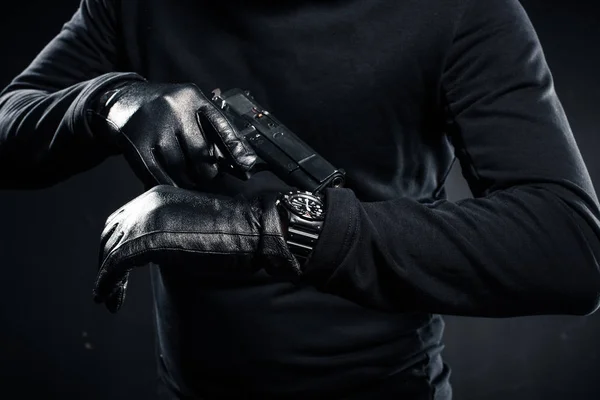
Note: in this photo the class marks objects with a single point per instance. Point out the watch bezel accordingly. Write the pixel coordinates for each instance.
(286, 201)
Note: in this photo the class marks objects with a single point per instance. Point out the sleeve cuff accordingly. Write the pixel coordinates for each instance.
(339, 231)
(79, 120)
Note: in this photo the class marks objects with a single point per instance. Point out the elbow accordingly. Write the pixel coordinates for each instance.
(579, 297)
(582, 304)
(592, 305)
(585, 280)
(584, 298)
(576, 291)
(573, 293)
(579, 285)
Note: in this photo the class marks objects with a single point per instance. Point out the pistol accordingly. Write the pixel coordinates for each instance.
(277, 147)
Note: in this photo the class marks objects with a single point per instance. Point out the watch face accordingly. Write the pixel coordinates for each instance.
(306, 205)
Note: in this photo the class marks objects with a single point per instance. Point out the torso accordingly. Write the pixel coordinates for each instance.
(359, 81)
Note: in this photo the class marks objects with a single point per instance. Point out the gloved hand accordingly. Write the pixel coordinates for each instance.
(173, 227)
(166, 132)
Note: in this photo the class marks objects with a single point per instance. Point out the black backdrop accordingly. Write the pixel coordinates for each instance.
(56, 344)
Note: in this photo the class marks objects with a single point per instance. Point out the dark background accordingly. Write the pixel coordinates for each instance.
(56, 343)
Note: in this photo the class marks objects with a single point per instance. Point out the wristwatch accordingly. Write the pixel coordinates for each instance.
(305, 214)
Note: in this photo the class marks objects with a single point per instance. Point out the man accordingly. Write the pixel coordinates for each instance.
(393, 92)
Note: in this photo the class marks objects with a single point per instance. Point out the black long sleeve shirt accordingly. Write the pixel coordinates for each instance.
(393, 92)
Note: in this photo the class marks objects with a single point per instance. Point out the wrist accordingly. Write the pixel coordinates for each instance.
(302, 220)
(105, 100)
(99, 110)
(341, 229)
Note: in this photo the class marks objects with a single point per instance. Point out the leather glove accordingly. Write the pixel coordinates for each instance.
(167, 132)
(175, 227)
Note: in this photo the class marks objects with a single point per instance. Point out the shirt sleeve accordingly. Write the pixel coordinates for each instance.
(527, 243)
(44, 137)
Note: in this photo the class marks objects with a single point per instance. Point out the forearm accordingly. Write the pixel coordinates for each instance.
(528, 242)
(44, 136)
(527, 250)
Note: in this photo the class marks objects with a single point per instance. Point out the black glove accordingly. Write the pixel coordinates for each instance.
(167, 132)
(174, 227)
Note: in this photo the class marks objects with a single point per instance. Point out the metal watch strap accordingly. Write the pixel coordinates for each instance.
(302, 237)
(303, 226)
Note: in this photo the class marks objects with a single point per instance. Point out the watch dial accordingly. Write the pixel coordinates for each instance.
(306, 206)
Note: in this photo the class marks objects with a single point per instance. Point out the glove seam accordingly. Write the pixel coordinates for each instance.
(180, 249)
(83, 101)
(101, 279)
(128, 140)
(180, 148)
(195, 233)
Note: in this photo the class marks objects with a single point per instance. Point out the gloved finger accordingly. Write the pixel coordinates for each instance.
(109, 242)
(107, 234)
(115, 300)
(170, 158)
(114, 267)
(146, 167)
(111, 220)
(222, 133)
(116, 264)
(120, 214)
(201, 161)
